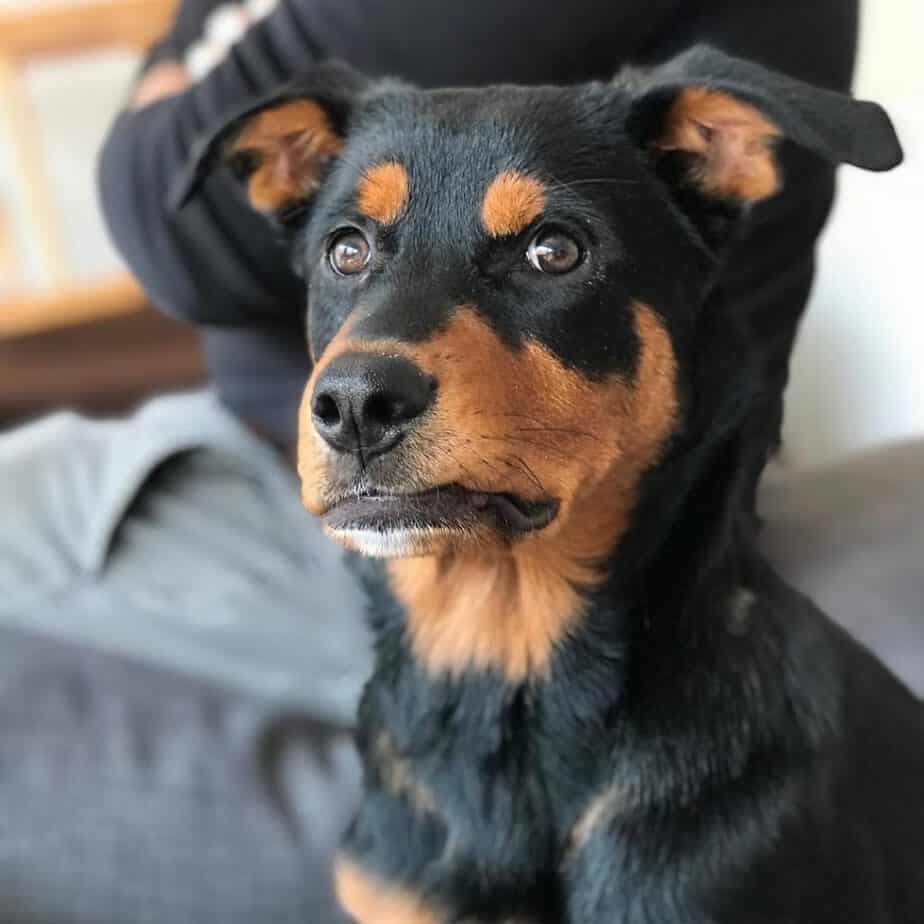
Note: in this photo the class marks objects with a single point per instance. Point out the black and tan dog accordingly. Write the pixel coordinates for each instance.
(593, 700)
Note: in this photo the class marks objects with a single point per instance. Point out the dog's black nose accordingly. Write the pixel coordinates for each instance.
(365, 402)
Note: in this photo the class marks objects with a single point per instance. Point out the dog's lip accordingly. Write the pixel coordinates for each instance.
(450, 507)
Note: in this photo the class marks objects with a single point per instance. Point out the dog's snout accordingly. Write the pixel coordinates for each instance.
(366, 402)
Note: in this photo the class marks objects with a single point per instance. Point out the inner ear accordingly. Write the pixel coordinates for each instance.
(280, 154)
(731, 142)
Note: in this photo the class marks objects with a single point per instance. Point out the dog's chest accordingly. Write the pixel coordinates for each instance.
(463, 786)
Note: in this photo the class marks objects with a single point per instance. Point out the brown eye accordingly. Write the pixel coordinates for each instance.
(349, 253)
(553, 252)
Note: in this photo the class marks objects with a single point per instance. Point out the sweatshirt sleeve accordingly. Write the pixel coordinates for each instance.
(214, 262)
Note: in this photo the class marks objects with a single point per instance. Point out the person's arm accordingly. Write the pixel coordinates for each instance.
(215, 262)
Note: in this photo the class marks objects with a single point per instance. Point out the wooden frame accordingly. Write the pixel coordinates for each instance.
(64, 28)
(28, 34)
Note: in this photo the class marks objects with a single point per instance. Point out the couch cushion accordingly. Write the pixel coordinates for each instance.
(851, 536)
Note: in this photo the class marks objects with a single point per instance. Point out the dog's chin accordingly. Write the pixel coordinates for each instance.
(442, 519)
(400, 542)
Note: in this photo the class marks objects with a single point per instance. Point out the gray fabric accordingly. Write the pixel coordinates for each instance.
(851, 536)
(176, 537)
(131, 795)
(181, 651)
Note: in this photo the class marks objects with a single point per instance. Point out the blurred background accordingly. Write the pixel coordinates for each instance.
(74, 329)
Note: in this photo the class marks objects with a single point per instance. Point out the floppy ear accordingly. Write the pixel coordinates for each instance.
(279, 148)
(719, 119)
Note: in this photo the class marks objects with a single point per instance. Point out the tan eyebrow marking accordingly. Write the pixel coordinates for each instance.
(383, 191)
(511, 202)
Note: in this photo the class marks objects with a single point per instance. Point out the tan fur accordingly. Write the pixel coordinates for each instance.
(382, 192)
(291, 142)
(398, 777)
(511, 203)
(733, 139)
(601, 810)
(519, 422)
(368, 900)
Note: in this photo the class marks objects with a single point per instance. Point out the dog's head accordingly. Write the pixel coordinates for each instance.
(504, 284)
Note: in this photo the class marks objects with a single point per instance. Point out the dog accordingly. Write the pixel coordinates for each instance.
(593, 700)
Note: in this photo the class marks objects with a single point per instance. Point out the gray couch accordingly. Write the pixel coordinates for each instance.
(851, 536)
(132, 794)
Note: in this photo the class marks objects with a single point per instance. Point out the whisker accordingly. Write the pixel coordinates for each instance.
(600, 180)
(521, 464)
(484, 460)
(463, 467)
(540, 427)
(564, 430)
(509, 438)
(529, 417)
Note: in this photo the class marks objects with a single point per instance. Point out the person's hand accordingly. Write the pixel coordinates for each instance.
(166, 78)
(223, 27)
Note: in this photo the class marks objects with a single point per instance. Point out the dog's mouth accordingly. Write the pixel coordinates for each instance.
(388, 524)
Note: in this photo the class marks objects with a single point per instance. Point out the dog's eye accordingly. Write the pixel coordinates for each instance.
(553, 251)
(349, 253)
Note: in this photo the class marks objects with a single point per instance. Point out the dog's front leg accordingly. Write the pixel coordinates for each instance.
(370, 899)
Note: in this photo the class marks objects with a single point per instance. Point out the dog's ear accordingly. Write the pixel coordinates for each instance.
(718, 120)
(279, 148)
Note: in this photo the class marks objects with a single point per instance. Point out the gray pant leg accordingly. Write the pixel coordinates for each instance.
(130, 795)
(176, 537)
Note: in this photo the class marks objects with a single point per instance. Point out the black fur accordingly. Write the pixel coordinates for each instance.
(770, 770)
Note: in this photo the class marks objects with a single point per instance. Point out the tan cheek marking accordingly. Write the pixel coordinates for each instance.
(382, 192)
(733, 139)
(290, 142)
(368, 900)
(511, 203)
(505, 417)
(504, 606)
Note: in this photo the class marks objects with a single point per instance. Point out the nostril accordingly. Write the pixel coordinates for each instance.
(325, 410)
(384, 409)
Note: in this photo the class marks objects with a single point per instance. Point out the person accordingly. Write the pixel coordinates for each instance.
(182, 650)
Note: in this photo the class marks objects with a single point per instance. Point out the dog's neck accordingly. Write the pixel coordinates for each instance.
(512, 610)
(506, 608)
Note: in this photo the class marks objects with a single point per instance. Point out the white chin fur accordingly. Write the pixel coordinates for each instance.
(391, 543)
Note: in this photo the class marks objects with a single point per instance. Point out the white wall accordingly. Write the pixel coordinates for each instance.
(73, 101)
(858, 371)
